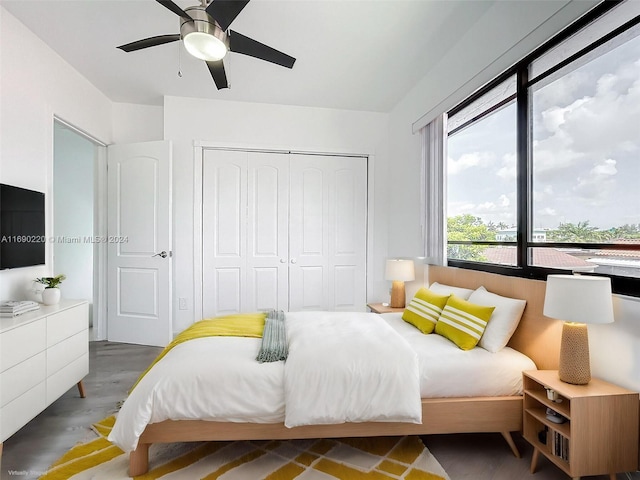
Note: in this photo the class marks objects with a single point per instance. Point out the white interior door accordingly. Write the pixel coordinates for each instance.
(245, 221)
(267, 232)
(224, 214)
(327, 237)
(139, 243)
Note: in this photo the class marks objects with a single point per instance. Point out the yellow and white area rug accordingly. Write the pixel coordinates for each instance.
(377, 458)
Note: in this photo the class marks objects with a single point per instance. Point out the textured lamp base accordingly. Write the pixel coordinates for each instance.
(397, 294)
(574, 354)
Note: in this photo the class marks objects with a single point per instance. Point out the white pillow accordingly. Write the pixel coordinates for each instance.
(442, 289)
(503, 321)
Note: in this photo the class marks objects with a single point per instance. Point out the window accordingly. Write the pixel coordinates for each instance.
(544, 163)
(481, 177)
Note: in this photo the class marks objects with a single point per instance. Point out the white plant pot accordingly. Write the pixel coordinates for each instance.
(50, 296)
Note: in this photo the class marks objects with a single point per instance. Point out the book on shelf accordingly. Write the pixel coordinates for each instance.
(560, 446)
(11, 308)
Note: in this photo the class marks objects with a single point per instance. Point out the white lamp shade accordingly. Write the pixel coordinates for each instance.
(399, 270)
(579, 298)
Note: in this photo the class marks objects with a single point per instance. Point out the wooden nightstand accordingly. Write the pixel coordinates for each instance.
(600, 435)
(380, 308)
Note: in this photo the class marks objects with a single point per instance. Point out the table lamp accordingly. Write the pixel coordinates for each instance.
(577, 300)
(398, 271)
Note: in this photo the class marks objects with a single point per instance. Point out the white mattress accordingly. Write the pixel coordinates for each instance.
(447, 371)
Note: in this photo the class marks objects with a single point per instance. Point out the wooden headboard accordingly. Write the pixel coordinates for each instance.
(537, 336)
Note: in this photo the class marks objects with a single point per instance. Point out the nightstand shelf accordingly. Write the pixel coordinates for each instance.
(380, 308)
(600, 434)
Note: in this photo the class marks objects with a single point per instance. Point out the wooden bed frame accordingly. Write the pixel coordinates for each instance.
(537, 336)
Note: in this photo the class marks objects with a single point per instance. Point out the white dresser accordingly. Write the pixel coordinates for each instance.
(42, 355)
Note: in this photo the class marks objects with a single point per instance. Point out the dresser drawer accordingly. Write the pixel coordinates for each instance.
(22, 377)
(66, 323)
(21, 343)
(20, 411)
(63, 380)
(66, 351)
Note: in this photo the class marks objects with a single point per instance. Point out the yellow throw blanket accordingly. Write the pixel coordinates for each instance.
(238, 325)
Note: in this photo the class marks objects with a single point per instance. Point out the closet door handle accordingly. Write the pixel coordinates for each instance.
(282, 260)
(293, 260)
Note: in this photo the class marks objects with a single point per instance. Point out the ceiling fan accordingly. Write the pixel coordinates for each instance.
(204, 32)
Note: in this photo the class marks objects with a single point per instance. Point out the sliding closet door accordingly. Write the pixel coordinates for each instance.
(245, 231)
(327, 233)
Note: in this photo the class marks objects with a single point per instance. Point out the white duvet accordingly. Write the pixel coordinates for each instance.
(348, 368)
(212, 378)
(218, 379)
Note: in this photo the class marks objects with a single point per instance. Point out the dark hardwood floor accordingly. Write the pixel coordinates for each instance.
(113, 369)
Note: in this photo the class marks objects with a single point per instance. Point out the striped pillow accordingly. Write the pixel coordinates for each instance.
(463, 322)
(424, 310)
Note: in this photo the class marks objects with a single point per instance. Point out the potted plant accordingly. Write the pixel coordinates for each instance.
(51, 292)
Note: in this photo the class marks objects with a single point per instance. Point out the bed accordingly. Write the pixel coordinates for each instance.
(537, 337)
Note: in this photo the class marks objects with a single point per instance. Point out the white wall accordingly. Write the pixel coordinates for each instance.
(35, 85)
(137, 123)
(263, 125)
(615, 347)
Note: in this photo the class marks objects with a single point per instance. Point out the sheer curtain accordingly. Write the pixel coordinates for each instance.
(433, 190)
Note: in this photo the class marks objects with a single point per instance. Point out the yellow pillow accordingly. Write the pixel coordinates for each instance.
(424, 310)
(463, 322)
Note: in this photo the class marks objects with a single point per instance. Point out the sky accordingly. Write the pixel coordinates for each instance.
(586, 149)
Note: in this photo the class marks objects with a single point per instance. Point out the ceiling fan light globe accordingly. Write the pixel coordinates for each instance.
(205, 46)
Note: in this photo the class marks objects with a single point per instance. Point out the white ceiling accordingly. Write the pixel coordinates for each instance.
(351, 54)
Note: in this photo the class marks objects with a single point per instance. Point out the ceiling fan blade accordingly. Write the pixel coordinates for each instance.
(149, 42)
(225, 11)
(175, 9)
(219, 75)
(247, 46)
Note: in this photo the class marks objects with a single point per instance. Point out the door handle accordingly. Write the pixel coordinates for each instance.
(162, 254)
(282, 260)
(293, 260)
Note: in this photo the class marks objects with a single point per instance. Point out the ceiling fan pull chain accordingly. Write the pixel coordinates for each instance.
(179, 62)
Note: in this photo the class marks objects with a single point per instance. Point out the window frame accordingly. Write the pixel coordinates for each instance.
(524, 182)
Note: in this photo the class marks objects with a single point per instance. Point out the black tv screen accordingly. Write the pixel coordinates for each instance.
(22, 233)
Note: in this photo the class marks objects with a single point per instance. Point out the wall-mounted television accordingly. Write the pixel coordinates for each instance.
(22, 227)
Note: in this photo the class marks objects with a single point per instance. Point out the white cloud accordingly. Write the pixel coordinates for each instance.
(606, 168)
(572, 137)
(547, 212)
(508, 169)
(459, 208)
(501, 205)
(564, 90)
(555, 117)
(469, 160)
(597, 186)
(586, 146)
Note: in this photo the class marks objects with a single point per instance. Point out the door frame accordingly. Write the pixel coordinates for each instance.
(99, 225)
(198, 153)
